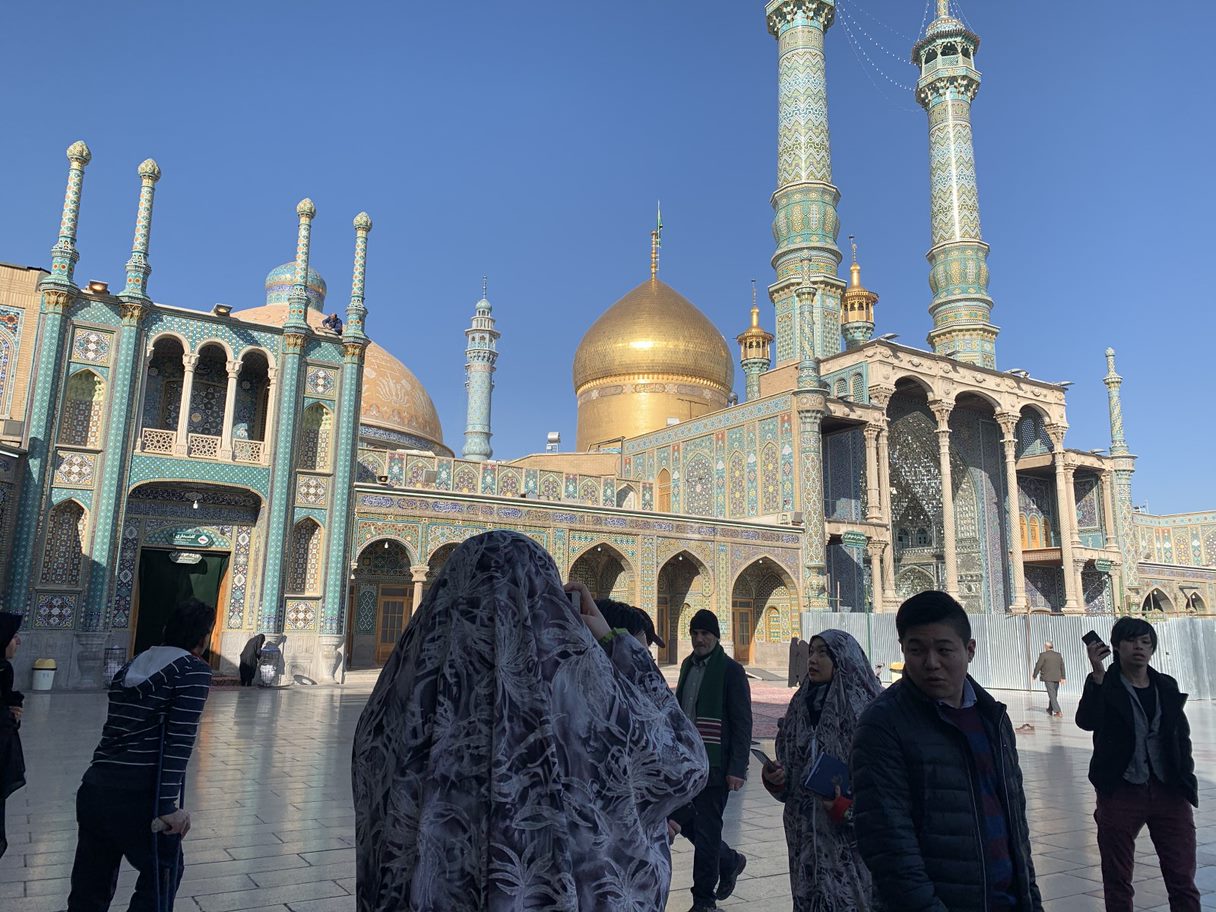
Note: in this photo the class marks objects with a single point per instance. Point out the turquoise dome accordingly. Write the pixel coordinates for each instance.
(280, 279)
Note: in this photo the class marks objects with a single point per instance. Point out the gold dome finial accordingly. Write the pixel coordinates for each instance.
(855, 269)
(656, 241)
(943, 9)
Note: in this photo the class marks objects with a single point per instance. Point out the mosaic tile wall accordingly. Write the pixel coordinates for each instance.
(1045, 587)
(844, 474)
(10, 340)
(63, 552)
(847, 578)
(916, 498)
(981, 522)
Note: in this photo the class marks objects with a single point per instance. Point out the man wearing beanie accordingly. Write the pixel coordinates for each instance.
(714, 693)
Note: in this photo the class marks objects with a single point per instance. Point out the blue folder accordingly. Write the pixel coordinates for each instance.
(826, 774)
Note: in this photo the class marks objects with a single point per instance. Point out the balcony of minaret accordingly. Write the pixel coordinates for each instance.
(206, 404)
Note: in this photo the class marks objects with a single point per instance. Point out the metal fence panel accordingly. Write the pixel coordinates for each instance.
(1008, 645)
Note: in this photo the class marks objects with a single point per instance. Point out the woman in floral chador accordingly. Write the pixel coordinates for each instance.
(826, 873)
(508, 760)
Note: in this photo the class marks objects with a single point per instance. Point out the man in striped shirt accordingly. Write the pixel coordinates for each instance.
(139, 768)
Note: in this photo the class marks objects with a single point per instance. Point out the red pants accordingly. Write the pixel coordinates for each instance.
(1171, 825)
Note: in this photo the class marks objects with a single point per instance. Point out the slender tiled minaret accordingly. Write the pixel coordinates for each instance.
(480, 356)
(1124, 467)
(755, 350)
(295, 332)
(111, 499)
(805, 221)
(948, 83)
(58, 292)
(857, 310)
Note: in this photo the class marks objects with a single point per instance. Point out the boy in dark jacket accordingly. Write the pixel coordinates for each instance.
(1142, 766)
(714, 693)
(939, 809)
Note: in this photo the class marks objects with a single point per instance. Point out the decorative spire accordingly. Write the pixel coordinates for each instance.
(755, 350)
(943, 9)
(1118, 442)
(656, 241)
(64, 254)
(356, 312)
(857, 309)
(138, 269)
(297, 301)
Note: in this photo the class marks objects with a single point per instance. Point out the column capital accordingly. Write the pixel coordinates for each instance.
(880, 395)
(132, 312)
(941, 409)
(189, 361)
(56, 301)
(234, 367)
(779, 13)
(418, 573)
(1056, 431)
(1008, 423)
(876, 546)
(871, 432)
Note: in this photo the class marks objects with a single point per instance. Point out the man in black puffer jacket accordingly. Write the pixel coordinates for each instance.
(939, 809)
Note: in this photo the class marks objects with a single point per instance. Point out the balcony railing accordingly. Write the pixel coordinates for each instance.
(203, 445)
(158, 441)
(247, 450)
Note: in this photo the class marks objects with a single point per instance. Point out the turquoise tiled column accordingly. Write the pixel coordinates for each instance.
(111, 498)
(805, 221)
(354, 344)
(958, 276)
(58, 291)
(481, 353)
(295, 332)
(1124, 468)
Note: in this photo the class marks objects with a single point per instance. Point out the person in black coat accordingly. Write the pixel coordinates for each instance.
(1142, 767)
(12, 761)
(939, 808)
(249, 659)
(714, 693)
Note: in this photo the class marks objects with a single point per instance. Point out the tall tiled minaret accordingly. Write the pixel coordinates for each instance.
(480, 354)
(805, 222)
(1124, 468)
(949, 81)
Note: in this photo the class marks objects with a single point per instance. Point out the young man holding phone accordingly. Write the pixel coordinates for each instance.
(1142, 766)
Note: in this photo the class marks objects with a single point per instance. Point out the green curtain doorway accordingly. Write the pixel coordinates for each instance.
(165, 584)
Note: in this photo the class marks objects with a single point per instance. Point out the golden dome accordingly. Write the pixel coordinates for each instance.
(393, 398)
(650, 358)
(653, 330)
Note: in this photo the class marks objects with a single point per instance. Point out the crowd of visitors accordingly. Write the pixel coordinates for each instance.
(522, 750)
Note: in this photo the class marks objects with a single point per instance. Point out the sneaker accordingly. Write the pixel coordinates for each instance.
(726, 885)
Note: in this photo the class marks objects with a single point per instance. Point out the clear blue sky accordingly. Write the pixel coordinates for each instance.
(530, 140)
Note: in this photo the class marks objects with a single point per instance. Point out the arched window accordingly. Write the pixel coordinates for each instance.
(1025, 534)
(842, 389)
(64, 547)
(923, 538)
(1036, 537)
(663, 492)
(304, 569)
(315, 437)
(903, 538)
(80, 424)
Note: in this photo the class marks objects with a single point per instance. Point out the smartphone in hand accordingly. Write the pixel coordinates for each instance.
(1091, 638)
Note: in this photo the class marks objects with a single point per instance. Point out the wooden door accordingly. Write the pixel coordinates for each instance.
(391, 611)
(741, 629)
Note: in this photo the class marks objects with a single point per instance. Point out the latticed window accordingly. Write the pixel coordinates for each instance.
(315, 437)
(80, 424)
(304, 569)
(64, 547)
(923, 539)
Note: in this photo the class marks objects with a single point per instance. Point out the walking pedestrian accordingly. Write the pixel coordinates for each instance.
(138, 772)
(714, 693)
(826, 871)
(12, 761)
(1142, 767)
(1049, 668)
(516, 752)
(939, 807)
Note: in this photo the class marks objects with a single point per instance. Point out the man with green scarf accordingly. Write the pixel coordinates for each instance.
(714, 693)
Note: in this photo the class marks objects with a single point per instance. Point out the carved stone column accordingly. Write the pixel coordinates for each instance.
(418, 574)
(1009, 424)
(271, 415)
(873, 497)
(1108, 510)
(181, 445)
(1066, 509)
(234, 371)
(876, 595)
(941, 411)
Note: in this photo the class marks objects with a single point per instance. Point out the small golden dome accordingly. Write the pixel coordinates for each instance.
(653, 330)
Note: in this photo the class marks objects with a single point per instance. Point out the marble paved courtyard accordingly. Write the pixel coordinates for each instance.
(273, 827)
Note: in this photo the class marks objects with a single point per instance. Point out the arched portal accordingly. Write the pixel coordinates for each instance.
(684, 586)
(1157, 601)
(1195, 603)
(381, 592)
(438, 558)
(606, 572)
(764, 605)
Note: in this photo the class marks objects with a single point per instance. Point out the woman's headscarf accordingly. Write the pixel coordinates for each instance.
(9, 623)
(506, 761)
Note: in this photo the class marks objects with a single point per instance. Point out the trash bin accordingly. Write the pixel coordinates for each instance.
(44, 674)
(270, 665)
(897, 671)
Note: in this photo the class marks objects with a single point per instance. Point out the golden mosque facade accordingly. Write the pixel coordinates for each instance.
(297, 474)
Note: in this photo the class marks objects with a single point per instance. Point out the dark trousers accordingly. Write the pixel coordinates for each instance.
(1171, 825)
(116, 824)
(1053, 691)
(701, 824)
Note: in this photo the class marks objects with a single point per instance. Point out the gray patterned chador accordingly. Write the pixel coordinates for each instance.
(506, 760)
